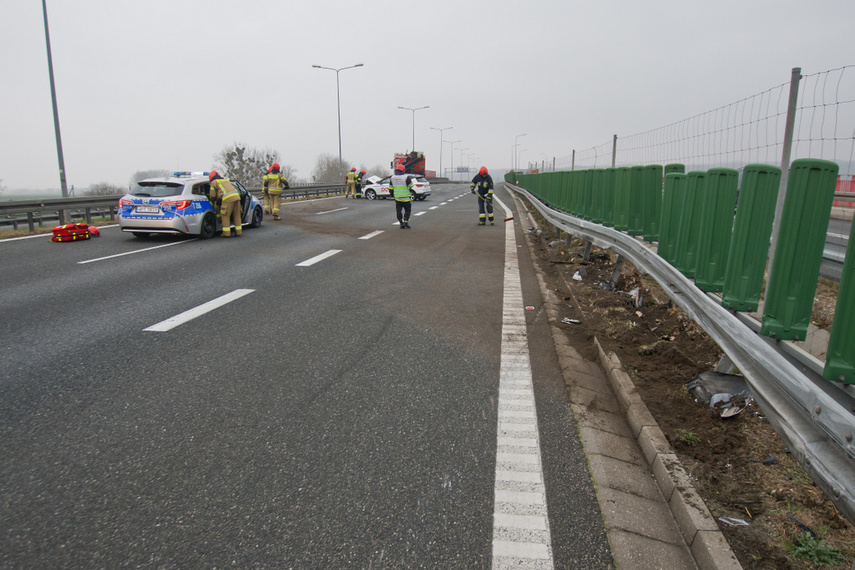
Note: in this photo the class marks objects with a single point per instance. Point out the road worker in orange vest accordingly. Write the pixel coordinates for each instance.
(227, 200)
(273, 184)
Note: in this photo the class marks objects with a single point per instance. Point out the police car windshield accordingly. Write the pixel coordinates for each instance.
(157, 189)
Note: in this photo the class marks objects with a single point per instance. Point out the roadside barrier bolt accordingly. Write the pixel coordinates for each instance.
(818, 410)
(849, 437)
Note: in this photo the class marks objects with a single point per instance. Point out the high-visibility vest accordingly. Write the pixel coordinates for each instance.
(400, 184)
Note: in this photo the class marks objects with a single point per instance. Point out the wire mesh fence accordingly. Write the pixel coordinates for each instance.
(750, 130)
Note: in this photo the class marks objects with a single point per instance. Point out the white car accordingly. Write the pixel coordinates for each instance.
(379, 188)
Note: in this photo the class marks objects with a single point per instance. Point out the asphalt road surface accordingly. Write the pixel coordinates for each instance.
(319, 393)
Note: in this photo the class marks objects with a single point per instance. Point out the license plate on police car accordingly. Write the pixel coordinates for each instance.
(148, 210)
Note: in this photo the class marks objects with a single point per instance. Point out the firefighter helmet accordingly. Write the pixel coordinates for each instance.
(275, 166)
(362, 172)
(399, 168)
(353, 169)
(483, 171)
(212, 174)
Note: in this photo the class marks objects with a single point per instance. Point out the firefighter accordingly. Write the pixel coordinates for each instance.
(227, 201)
(359, 183)
(351, 183)
(273, 184)
(400, 186)
(484, 184)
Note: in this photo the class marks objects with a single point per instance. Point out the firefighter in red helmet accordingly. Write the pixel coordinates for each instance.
(351, 183)
(359, 177)
(273, 184)
(483, 184)
(226, 199)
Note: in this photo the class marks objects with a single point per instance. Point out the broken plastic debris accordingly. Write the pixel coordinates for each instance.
(635, 297)
(577, 276)
(771, 460)
(733, 521)
(554, 243)
(529, 308)
(567, 321)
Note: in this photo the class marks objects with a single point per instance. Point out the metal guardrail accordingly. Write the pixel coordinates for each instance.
(813, 417)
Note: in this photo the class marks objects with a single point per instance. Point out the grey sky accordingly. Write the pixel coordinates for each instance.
(169, 83)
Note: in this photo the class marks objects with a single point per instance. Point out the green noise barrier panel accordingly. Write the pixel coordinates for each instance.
(575, 191)
(609, 198)
(636, 195)
(840, 358)
(672, 205)
(798, 250)
(752, 228)
(714, 235)
(598, 187)
(652, 201)
(622, 188)
(587, 192)
(690, 221)
(675, 168)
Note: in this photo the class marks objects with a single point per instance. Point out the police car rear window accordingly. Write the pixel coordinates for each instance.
(157, 189)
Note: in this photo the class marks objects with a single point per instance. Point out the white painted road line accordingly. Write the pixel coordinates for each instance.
(521, 537)
(136, 251)
(372, 234)
(186, 316)
(318, 258)
(330, 211)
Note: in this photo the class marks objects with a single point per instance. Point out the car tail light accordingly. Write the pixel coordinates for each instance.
(123, 203)
(177, 204)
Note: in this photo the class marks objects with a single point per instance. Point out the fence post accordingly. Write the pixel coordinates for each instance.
(786, 149)
(795, 270)
(614, 150)
(746, 263)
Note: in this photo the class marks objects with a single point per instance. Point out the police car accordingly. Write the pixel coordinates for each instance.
(179, 204)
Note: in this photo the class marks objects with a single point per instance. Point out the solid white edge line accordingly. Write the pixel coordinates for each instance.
(318, 258)
(135, 251)
(191, 314)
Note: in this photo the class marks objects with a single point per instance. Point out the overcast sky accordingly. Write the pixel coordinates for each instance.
(166, 84)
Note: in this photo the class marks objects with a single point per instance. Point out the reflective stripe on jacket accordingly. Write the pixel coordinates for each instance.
(222, 189)
(400, 186)
(274, 182)
(351, 176)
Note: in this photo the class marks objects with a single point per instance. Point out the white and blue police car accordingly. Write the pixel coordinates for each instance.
(179, 204)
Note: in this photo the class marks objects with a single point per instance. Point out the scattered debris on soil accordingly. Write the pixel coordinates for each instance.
(766, 506)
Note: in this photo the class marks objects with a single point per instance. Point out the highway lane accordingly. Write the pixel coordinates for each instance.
(339, 413)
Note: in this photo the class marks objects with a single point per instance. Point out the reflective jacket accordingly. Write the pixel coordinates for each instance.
(484, 185)
(223, 191)
(351, 176)
(274, 182)
(400, 187)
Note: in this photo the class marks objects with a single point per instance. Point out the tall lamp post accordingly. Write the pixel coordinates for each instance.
(62, 182)
(338, 104)
(414, 121)
(440, 145)
(516, 144)
(452, 156)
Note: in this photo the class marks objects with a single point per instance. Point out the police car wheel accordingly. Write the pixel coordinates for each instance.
(257, 216)
(208, 227)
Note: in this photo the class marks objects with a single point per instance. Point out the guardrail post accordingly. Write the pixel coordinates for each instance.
(840, 355)
(622, 189)
(798, 252)
(636, 196)
(690, 221)
(672, 205)
(752, 227)
(652, 201)
(609, 197)
(719, 200)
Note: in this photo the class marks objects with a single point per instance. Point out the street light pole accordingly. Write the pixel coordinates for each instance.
(414, 121)
(516, 144)
(338, 105)
(62, 182)
(440, 145)
(452, 156)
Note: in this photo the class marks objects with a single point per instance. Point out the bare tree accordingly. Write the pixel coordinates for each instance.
(103, 189)
(247, 164)
(327, 169)
(143, 174)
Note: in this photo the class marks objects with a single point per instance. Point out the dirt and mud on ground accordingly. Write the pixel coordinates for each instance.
(740, 466)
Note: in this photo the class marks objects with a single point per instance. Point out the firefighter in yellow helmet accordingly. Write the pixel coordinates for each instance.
(351, 183)
(227, 200)
(273, 184)
(483, 183)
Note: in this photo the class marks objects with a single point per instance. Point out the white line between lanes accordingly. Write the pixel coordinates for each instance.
(330, 211)
(135, 251)
(186, 316)
(318, 258)
(372, 234)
